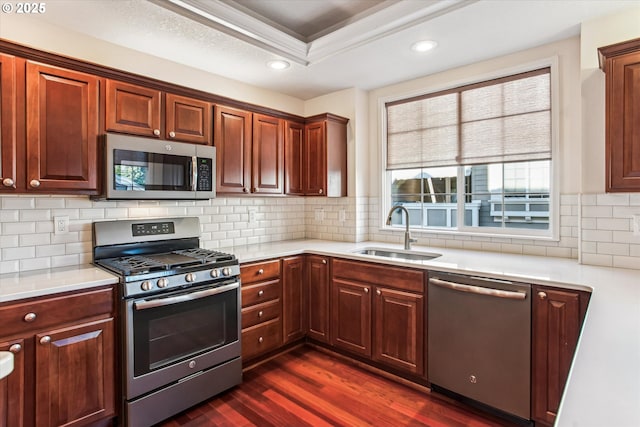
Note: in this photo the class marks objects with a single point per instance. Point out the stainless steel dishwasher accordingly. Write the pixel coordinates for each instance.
(479, 340)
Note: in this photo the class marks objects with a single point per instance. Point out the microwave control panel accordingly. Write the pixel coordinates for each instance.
(205, 174)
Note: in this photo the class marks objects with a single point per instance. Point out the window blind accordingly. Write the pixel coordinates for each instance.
(502, 120)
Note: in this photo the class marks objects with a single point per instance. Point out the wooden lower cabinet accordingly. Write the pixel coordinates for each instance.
(557, 319)
(294, 313)
(318, 297)
(378, 312)
(64, 353)
(261, 308)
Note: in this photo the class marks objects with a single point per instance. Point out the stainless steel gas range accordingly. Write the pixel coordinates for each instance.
(179, 311)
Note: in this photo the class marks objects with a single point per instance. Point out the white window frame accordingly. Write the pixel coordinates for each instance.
(553, 233)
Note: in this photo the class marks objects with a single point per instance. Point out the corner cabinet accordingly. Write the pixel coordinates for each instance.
(325, 156)
(62, 130)
(621, 64)
(64, 352)
(557, 319)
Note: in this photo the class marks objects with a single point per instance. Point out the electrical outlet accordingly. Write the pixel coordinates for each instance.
(635, 224)
(61, 224)
(252, 216)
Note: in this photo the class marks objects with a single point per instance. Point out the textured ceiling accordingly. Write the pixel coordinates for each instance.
(466, 32)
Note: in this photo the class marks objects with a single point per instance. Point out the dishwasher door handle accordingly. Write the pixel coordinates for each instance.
(499, 293)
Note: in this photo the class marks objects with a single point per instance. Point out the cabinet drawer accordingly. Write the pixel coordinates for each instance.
(384, 275)
(260, 271)
(260, 313)
(47, 312)
(261, 338)
(260, 292)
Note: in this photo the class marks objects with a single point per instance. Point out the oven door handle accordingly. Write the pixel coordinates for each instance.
(478, 289)
(160, 302)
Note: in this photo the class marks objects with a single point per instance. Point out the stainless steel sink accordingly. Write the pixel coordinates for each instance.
(398, 253)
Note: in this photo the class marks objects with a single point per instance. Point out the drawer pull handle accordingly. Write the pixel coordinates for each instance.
(45, 339)
(15, 348)
(261, 271)
(378, 292)
(366, 290)
(542, 295)
(260, 313)
(260, 293)
(260, 340)
(30, 317)
(324, 261)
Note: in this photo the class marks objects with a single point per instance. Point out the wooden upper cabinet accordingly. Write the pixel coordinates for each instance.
(232, 139)
(188, 119)
(268, 155)
(133, 109)
(62, 129)
(621, 64)
(325, 156)
(7, 122)
(293, 158)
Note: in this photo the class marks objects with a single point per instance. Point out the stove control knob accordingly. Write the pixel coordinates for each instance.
(146, 285)
(215, 273)
(190, 277)
(162, 283)
(226, 271)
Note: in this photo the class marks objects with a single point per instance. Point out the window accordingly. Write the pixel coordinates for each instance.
(476, 158)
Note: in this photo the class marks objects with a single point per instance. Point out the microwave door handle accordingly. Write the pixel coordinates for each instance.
(160, 302)
(194, 173)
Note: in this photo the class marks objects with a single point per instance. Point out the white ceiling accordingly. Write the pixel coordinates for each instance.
(331, 44)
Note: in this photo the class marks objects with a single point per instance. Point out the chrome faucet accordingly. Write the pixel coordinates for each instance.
(407, 236)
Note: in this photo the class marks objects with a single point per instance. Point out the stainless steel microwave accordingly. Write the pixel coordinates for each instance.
(143, 168)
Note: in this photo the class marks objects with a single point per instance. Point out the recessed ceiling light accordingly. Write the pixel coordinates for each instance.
(423, 46)
(278, 64)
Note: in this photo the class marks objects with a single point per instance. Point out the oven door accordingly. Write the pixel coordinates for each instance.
(176, 334)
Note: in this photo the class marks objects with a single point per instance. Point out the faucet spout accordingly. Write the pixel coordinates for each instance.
(407, 236)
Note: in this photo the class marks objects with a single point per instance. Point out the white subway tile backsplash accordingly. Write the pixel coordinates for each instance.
(597, 211)
(18, 203)
(612, 248)
(49, 203)
(8, 215)
(9, 254)
(35, 263)
(597, 235)
(612, 199)
(9, 228)
(621, 224)
(597, 259)
(35, 239)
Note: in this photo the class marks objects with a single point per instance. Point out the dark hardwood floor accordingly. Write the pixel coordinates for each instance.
(306, 387)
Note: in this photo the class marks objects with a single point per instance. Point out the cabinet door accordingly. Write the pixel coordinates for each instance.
(399, 330)
(75, 374)
(133, 109)
(623, 122)
(351, 316)
(188, 120)
(318, 297)
(268, 155)
(315, 162)
(7, 123)
(293, 299)
(293, 158)
(232, 138)
(12, 387)
(556, 325)
(62, 129)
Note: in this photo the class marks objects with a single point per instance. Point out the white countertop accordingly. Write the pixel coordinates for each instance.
(603, 388)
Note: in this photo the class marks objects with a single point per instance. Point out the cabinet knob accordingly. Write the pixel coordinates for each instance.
(256, 190)
(261, 271)
(172, 134)
(366, 290)
(245, 190)
(260, 340)
(260, 293)
(378, 292)
(30, 317)
(156, 132)
(542, 295)
(260, 313)
(8, 182)
(34, 183)
(324, 261)
(15, 348)
(320, 191)
(45, 339)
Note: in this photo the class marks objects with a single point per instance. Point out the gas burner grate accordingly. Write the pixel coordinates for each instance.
(135, 264)
(205, 255)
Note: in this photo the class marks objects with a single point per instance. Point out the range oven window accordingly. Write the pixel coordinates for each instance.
(170, 333)
(142, 171)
